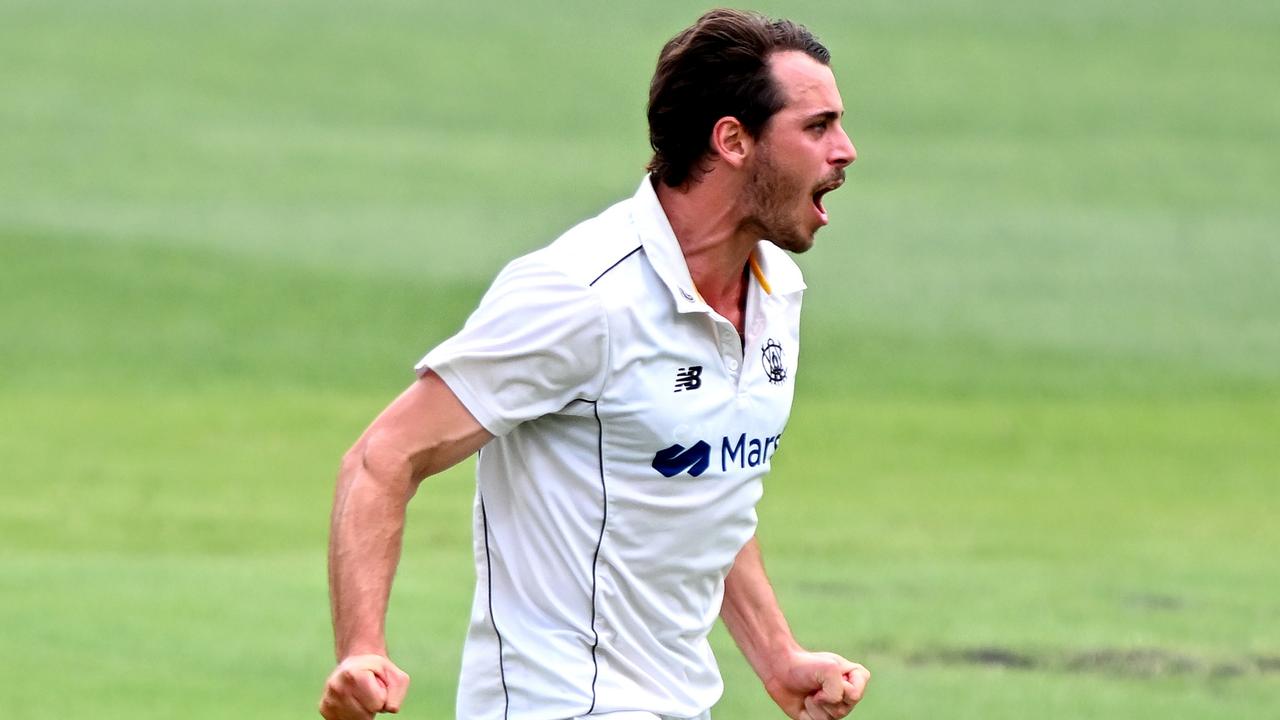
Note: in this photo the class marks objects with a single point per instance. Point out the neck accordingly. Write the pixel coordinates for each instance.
(707, 218)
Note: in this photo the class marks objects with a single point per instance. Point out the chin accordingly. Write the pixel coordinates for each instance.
(795, 243)
(802, 247)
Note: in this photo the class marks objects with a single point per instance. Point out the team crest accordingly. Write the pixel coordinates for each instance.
(771, 357)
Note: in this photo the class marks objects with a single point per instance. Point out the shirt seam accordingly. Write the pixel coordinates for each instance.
(604, 317)
(471, 400)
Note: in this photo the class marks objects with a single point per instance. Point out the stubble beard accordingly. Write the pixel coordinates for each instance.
(771, 198)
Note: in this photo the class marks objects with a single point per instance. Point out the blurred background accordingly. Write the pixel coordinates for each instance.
(1032, 466)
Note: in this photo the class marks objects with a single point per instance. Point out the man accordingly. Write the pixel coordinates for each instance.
(625, 388)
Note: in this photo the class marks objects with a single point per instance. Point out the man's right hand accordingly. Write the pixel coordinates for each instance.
(362, 686)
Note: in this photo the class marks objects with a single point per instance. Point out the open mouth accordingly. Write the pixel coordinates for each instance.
(821, 192)
(817, 201)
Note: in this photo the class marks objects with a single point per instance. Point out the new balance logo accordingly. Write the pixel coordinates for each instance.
(676, 459)
(689, 378)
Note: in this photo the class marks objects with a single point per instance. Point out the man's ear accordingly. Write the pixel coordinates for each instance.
(731, 141)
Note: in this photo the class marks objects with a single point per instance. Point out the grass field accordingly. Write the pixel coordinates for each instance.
(1034, 465)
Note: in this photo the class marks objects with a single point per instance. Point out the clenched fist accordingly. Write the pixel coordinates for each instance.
(817, 686)
(362, 686)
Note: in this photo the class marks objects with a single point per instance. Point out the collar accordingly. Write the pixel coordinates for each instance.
(775, 272)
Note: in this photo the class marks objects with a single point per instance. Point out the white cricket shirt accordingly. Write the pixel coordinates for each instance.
(633, 432)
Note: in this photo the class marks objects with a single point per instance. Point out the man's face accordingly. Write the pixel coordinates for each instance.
(800, 155)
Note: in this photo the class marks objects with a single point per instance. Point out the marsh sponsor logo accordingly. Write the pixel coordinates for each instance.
(739, 453)
(676, 459)
(745, 452)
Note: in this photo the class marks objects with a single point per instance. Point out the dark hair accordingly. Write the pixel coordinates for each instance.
(718, 67)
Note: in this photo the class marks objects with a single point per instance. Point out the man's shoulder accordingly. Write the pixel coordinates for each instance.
(592, 247)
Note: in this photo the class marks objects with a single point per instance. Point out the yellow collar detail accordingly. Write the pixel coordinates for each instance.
(755, 270)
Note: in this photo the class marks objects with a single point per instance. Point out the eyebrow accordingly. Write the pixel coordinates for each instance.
(829, 115)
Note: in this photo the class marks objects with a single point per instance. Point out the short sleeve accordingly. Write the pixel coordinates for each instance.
(536, 343)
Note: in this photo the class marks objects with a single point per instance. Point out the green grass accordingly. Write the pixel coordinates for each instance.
(1032, 466)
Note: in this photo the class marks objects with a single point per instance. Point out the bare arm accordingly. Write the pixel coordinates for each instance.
(806, 685)
(752, 614)
(424, 431)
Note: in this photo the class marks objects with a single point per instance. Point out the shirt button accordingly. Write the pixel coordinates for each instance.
(733, 364)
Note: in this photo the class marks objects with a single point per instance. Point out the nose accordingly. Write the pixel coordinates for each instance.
(844, 153)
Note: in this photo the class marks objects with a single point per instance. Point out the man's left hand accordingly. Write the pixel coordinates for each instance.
(817, 686)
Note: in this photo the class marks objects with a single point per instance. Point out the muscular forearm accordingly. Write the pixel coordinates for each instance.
(423, 432)
(364, 548)
(752, 615)
(804, 684)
